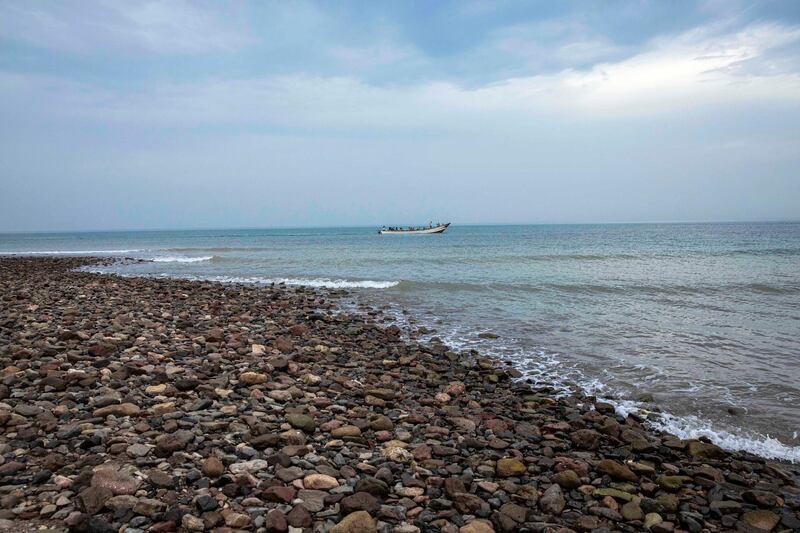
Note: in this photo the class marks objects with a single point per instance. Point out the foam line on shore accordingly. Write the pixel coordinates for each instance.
(326, 283)
(180, 259)
(545, 369)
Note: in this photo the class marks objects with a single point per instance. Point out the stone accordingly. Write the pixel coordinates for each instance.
(651, 519)
(585, 439)
(346, 431)
(148, 507)
(138, 450)
(299, 517)
(213, 467)
(172, 442)
(671, 483)
(251, 467)
(616, 470)
(477, 526)
(116, 480)
(761, 519)
(237, 520)
(275, 522)
(705, 450)
(613, 493)
(552, 501)
(516, 512)
(319, 482)
(121, 409)
(253, 378)
(381, 423)
(567, 479)
(300, 421)
(761, 498)
(632, 511)
(93, 498)
(373, 486)
(510, 467)
(359, 501)
(313, 500)
(358, 522)
(192, 523)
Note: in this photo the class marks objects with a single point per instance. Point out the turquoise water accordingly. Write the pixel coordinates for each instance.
(703, 317)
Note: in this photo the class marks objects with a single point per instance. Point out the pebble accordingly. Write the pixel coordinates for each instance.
(133, 405)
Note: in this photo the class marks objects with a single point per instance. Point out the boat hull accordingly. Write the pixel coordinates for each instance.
(425, 231)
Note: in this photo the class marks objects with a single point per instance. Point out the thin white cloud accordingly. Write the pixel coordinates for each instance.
(99, 26)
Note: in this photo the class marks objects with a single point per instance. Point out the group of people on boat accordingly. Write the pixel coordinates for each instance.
(409, 228)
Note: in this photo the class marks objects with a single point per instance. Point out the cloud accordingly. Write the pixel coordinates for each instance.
(697, 69)
(100, 26)
(362, 58)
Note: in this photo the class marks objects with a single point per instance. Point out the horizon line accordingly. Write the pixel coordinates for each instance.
(354, 226)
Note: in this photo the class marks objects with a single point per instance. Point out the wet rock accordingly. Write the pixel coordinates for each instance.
(585, 439)
(188, 419)
(761, 519)
(616, 470)
(761, 498)
(705, 450)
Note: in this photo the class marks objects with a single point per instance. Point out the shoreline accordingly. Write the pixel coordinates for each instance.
(244, 400)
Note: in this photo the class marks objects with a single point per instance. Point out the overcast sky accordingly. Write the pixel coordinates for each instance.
(170, 114)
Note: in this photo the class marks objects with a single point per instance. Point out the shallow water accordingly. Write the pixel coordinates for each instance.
(703, 317)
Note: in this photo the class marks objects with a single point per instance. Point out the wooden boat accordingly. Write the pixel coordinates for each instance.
(423, 230)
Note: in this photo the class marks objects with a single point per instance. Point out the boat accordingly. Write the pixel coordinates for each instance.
(421, 230)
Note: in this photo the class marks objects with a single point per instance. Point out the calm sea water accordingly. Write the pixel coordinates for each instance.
(705, 318)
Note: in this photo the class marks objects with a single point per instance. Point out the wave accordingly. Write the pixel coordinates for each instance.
(545, 368)
(626, 289)
(221, 249)
(692, 427)
(313, 282)
(71, 252)
(180, 259)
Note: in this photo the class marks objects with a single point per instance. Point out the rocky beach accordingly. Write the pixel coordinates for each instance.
(138, 404)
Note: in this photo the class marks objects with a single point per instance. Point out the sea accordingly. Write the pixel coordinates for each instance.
(694, 326)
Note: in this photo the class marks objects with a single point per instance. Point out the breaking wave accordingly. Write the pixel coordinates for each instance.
(313, 282)
(180, 259)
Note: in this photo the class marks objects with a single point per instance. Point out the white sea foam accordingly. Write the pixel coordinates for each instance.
(180, 259)
(313, 282)
(692, 427)
(70, 252)
(548, 369)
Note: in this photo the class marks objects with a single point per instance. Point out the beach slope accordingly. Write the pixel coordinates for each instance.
(155, 405)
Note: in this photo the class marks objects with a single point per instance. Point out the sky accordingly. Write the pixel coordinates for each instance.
(177, 114)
